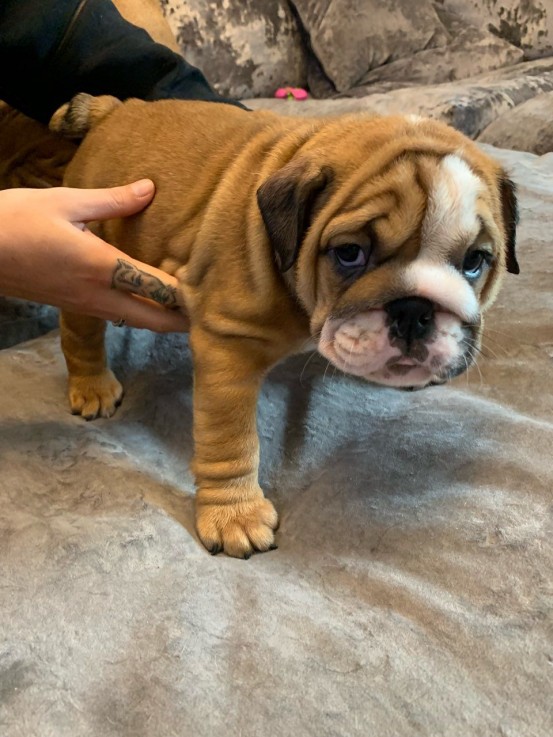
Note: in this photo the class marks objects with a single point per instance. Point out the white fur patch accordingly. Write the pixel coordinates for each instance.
(451, 215)
(360, 345)
(443, 285)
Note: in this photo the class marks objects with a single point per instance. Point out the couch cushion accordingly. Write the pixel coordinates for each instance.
(351, 37)
(525, 23)
(527, 127)
(469, 105)
(246, 48)
(472, 51)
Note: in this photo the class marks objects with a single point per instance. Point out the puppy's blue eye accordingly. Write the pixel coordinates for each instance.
(350, 256)
(474, 263)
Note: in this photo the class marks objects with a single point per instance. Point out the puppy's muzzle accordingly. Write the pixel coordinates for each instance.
(409, 341)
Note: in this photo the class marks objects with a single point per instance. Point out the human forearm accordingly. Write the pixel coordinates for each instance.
(54, 49)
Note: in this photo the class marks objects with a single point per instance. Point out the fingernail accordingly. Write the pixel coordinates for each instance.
(143, 187)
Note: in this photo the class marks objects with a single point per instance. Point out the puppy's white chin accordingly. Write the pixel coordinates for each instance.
(418, 376)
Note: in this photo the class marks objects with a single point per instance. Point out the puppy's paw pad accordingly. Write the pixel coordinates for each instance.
(238, 529)
(95, 396)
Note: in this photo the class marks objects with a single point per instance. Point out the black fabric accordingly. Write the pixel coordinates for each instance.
(52, 49)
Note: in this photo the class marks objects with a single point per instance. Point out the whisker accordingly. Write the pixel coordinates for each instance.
(488, 329)
(497, 347)
(309, 358)
(473, 347)
(466, 372)
(482, 382)
(487, 335)
(472, 354)
(489, 350)
(497, 344)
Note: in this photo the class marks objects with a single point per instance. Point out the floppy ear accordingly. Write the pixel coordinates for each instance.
(509, 211)
(286, 202)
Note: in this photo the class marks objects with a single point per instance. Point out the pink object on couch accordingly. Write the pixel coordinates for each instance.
(291, 93)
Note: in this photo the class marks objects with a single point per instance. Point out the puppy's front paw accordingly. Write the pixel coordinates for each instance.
(239, 529)
(93, 396)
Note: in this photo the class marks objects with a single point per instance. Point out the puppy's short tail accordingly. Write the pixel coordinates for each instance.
(81, 114)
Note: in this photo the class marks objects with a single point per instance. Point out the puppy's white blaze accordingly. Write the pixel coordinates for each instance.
(413, 118)
(451, 213)
(442, 284)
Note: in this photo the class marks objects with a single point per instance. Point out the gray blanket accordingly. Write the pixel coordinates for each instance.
(412, 590)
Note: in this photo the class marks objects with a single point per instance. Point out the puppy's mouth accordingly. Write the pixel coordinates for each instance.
(366, 345)
(401, 366)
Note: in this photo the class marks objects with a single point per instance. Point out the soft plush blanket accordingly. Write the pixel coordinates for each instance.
(412, 590)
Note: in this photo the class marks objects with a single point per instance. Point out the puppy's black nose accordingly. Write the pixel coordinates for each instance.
(411, 318)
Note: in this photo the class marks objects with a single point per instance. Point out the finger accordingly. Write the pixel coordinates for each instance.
(124, 273)
(139, 313)
(83, 205)
(146, 281)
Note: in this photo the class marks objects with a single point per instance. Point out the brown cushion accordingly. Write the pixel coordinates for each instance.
(351, 37)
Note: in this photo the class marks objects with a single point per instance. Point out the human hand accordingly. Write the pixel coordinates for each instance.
(48, 255)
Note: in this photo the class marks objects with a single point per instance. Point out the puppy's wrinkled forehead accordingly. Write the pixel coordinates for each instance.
(425, 214)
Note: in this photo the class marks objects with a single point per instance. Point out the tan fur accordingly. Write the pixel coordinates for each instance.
(208, 161)
(147, 14)
(33, 156)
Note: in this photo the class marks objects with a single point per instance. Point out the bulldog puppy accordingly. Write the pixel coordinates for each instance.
(380, 239)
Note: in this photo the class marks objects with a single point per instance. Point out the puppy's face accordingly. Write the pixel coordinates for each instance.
(394, 234)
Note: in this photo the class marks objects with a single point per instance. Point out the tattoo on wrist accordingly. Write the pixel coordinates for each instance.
(132, 279)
